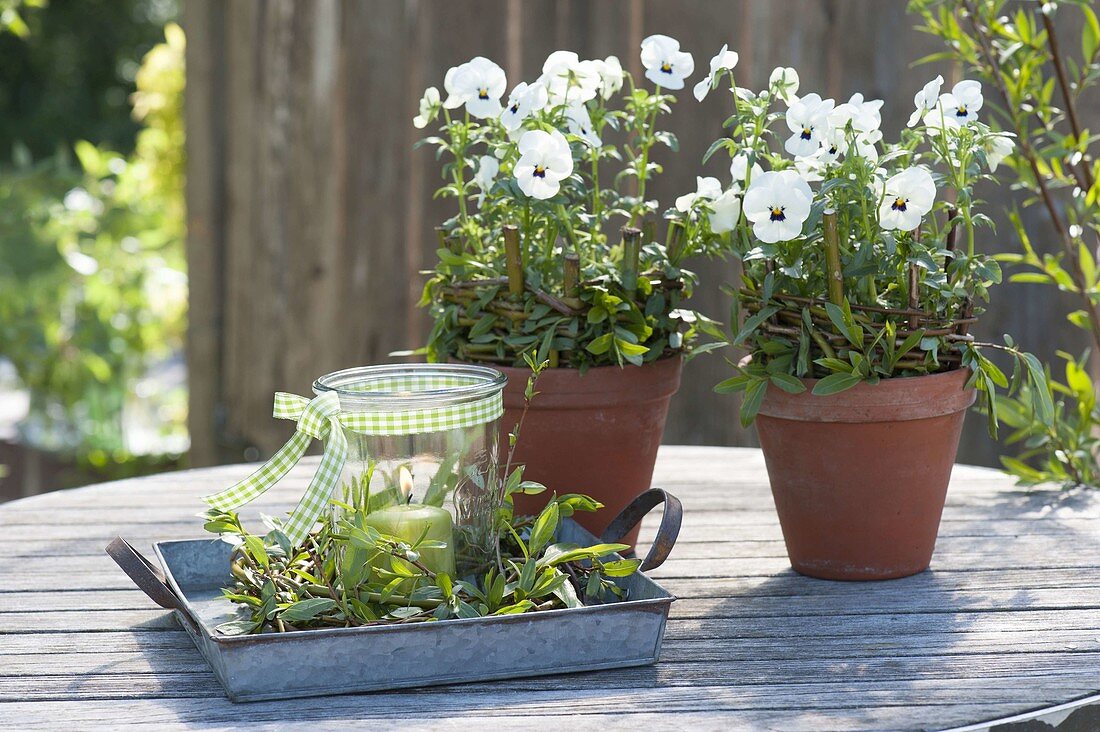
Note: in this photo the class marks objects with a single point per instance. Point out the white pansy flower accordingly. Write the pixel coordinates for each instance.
(810, 169)
(487, 169)
(866, 144)
(479, 84)
(568, 79)
(579, 123)
(778, 203)
(611, 76)
(545, 160)
(906, 198)
(665, 64)
(429, 108)
(706, 189)
(724, 60)
(958, 106)
(964, 101)
(834, 143)
(784, 82)
(997, 147)
(525, 100)
(925, 100)
(808, 119)
(725, 212)
(864, 116)
(739, 170)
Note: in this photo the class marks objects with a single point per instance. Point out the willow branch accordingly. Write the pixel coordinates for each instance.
(1032, 158)
(1083, 176)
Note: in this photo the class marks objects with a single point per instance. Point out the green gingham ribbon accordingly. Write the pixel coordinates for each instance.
(321, 419)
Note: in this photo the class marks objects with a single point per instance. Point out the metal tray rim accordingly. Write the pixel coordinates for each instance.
(456, 623)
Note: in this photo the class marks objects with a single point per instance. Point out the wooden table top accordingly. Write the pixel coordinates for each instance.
(1006, 621)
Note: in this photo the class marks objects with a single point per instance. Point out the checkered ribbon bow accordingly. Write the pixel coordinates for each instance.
(321, 419)
(318, 419)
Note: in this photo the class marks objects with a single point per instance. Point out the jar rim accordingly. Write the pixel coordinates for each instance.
(352, 385)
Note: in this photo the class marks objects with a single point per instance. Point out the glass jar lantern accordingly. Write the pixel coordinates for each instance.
(422, 440)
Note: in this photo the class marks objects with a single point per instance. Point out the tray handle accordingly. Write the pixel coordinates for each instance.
(667, 533)
(144, 573)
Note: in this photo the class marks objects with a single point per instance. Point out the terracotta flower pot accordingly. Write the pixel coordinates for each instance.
(860, 477)
(595, 434)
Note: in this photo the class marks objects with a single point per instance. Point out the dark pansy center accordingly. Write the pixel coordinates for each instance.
(540, 171)
(483, 93)
(807, 132)
(898, 204)
(514, 108)
(832, 150)
(666, 67)
(961, 111)
(777, 213)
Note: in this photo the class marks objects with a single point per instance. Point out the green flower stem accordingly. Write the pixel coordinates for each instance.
(597, 204)
(458, 150)
(645, 133)
(563, 217)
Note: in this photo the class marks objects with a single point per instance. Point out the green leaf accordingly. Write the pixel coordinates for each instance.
(307, 609)
(733, 384)
(483, 325)
(788, 383)
(543, 530)
(753, 322)
(621, 567)
(1041, 398)
(1022, 469)
(601, 345)
(835, 383)
(527, 576)
(562, 553)
(995, 374)
(910, 342)
(1090, 36)
(443, 582)
(237, 627)
(750, 404)
(630, 349)
(254, 545)
(516, 609)
(568, 595)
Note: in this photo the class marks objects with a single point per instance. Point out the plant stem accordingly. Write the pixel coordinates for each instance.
(646, 142)
(1083, 176)
(564, 217)
(834, 277)
(597, 203)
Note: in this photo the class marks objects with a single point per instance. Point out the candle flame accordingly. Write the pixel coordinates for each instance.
(405, 481)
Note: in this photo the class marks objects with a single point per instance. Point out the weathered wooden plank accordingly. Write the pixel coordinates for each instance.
(499, 712)
(685, 644)
(643, 682)
(96, 572)
(941, 587)
(26, 540)
(177, 655)
(778, 610)
(710, 472)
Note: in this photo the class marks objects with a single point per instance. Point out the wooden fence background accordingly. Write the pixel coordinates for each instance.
(311, 215)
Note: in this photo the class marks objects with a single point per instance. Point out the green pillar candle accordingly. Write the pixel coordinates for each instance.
(409, 522)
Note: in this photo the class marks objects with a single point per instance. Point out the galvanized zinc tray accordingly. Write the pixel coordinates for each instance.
(347, 660)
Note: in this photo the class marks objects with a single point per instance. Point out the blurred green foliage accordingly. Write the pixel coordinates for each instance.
(92, 283)
(68, 68)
